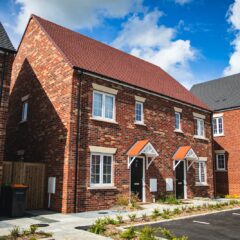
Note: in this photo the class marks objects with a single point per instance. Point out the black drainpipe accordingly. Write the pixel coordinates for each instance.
(80, 75)
(2, 78)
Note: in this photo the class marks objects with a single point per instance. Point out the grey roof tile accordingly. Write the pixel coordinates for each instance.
(5, 42)
(219, 94)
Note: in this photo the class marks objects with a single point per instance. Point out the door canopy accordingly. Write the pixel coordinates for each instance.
(184, 153)
(143, 147)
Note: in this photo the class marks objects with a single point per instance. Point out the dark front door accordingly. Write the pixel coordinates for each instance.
(180, 180)
(136, 177)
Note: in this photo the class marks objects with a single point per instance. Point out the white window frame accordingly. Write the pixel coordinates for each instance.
(217, 126)
(25, 107)
(142, 115)
(200, 183)
(217, 163)
(180, 127)
(198, 128)
(101, 184)
(103, 107)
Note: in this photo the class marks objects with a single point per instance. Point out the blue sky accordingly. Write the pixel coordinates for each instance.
(193, 40)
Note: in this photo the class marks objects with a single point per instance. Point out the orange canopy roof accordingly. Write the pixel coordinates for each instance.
(137, 147)
(181, 153)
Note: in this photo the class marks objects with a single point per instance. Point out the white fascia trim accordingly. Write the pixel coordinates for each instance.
(215, 115)
(97, 149)
(176, 109)
(198, 115)
(102, 88)
(202, 159)
(220, 151)
(146, 91)
(25, 98)
(140, 99)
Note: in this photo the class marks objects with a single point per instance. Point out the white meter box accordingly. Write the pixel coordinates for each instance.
(153, 185)
(169, 184)
(52, 185)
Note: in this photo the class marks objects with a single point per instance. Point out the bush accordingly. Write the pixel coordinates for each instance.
(119, 219)
(170, 200)
(132, 217)
(170, 236)
(155, 214)
(166, 214)
(15, 232)
(98, 227)
(134, 201)
(144, 217)
(130, 233)
(147, 233)
(177, 211)
(108, 220)
(33, 229)
(122, 200)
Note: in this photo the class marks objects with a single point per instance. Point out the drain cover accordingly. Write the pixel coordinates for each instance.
(40, 225)
(85, 228)
(103, 213)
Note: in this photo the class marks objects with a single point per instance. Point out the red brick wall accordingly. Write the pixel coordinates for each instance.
(40, 70)
(159, 129)
(49, 135)
(4, 102)
(229, 182)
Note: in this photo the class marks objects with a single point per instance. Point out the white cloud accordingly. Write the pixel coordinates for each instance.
(234, 20)
(74, 14)
(146, 38)
(182, 2)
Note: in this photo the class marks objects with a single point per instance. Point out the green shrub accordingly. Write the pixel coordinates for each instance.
(147, 233)
(170, 200)
(132, 217)
(15, 232)
(144, 217)
(122, 200)
(130, 233)
(134, 201)
(155, 214)
(170, 236)
(98, 227)
(177, 211)
(109, 220)
(33, 229)
(119, 219)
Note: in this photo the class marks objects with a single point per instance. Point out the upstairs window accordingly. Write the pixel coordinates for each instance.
(199, 127)
(218, 126)
(201, 173)
(103, 106)
(101, 169)
(139, 112)
(177, 121)
(220, 162)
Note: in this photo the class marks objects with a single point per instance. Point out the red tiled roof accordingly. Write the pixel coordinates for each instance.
(181, 153)
(91, 55)
(137, 147)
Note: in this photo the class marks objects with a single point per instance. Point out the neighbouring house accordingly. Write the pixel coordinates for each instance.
(7, 53)
(103, 123)
(222, 95)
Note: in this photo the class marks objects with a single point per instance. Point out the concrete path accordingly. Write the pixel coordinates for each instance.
(63, 225)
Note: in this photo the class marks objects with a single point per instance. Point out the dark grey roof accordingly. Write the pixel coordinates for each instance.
(5, 42)
(222, 93)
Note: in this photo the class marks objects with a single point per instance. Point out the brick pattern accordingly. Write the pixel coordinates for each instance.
(7, 62)
(49, 135)
(228, 182)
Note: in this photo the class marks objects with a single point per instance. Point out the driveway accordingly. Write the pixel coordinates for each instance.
(216, 226)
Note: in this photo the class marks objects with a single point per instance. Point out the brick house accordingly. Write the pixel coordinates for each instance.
(7, 53)
(104, 122)
(222, 95)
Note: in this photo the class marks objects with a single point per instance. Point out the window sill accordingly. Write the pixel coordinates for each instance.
(219, 170)
(102, 188)
(201, 185)
(139, 123)
(200, 137)
(24, 121)
(219, 135)
(104, 120)
(178, 131)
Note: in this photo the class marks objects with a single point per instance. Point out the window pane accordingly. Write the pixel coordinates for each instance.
(95, 170)
(201, 128)
(197, 172)
(24, 111)
(177, 120)
(107, 169)
(200, 172)
(138, 112)
(220, 125)
(109, 107)
(214, 126)
(195, 127)
(97, 104)
(221, 161)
